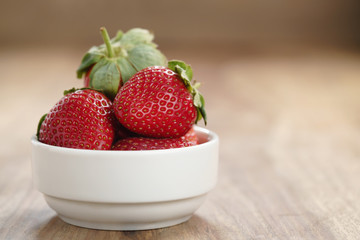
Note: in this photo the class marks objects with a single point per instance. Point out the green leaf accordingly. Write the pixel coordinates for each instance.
(118, 37)
(88, 60)
(105, 77)
(185, 72)
(143, 56)
(130, 52)
(181, 68)
(126, 69)
(201, 108)
(72, 90)
(198, 116)
(39, 125)
(137, 36)
(199, 103)
(197, 99)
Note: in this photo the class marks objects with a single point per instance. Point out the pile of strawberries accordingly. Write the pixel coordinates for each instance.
(156, 108)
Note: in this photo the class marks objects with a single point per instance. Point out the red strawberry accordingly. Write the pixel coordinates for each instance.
(160, 102)
(87, 78)
(143, 143)
(191, 136)
(82, 119)
(121, 131)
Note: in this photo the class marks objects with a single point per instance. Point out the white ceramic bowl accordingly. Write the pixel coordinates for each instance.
(126, 190)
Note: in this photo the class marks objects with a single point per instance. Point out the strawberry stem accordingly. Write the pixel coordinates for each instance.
(107, 42)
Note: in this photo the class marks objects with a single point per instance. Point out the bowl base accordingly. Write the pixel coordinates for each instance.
(124, 226)
(125, 216)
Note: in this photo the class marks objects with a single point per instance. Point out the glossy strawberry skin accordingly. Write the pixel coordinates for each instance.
(155, 103)
(191, 136)
(82, 119)
(143, 143)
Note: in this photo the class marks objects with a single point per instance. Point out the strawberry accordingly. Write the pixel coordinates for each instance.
(160, 102)
(120, 130)
(143, 143)
(191, 136)
(87, 78)
(108, 66)
(82, 119)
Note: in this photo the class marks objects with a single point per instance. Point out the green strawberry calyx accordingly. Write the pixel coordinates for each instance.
(72, 90)
(119, 58)
(39, 125)
(185, 72)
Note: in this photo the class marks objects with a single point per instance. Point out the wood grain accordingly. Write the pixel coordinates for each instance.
(289, 126)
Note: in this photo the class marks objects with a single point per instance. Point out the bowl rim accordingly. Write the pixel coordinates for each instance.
(212, 137)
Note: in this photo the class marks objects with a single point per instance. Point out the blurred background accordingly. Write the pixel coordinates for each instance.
(257, 60)
(281, 79)
(196, 23)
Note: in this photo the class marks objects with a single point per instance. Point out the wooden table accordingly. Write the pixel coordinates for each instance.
(289, 125)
